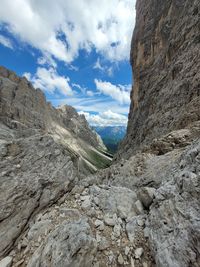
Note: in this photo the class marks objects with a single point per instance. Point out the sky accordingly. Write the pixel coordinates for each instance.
(76, 52)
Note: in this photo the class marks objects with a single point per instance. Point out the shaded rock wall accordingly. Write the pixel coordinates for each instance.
(165, 57)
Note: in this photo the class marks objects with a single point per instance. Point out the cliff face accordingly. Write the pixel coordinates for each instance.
(25, 110)
(19, 101)
(43, 153)
(165, 58)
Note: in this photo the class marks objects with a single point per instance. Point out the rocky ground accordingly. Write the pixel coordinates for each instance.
(140, 212)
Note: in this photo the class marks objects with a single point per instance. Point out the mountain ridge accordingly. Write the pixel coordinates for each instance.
(27, 108)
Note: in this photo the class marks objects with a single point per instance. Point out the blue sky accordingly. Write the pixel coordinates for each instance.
(76, 52)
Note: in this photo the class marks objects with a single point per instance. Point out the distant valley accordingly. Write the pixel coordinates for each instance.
(111, 136)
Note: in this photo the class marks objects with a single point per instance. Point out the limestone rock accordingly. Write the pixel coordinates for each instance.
(41, 180)
(165, 94)
(71, 244)
(6, 262)
(177, 211)
(138, 253)
(116, 200)
(120, 259)
(146, 195)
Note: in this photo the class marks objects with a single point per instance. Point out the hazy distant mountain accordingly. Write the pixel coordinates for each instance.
(111, 135)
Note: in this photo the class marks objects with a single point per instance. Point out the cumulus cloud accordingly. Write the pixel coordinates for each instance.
(6, 42)
(61, 28)
(48, 80)
(120, 93)
(107, 118)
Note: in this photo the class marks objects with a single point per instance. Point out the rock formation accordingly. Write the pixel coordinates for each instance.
(25, 109)
(165, 56)
(142, 211)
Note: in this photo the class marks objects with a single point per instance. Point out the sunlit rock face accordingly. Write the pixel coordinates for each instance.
(21, 102)
(165, 59)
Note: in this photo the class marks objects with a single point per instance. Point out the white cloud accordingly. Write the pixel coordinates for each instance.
(72, 67)
(92, 104)
(48, 80)
(103, 67)
(61, 28)
(120, 93)
(89, 93)
(97, 65)
(80, 88)
(6, 42)
(107, 118)
(47, 60)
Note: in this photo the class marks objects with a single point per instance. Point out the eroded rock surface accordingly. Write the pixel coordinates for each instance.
(165, 58)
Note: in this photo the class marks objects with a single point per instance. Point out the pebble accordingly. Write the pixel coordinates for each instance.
(57, 152)
(86, 202)
(132, 262)
(85, 197)
(96, 201)
(103, 244)
(138, 253)
(18, 166)
(110, 221)
(120, 259)
(140, 222)
(139, 207)
(98, 223)
(111, 258)
(85, 192)
(127, 250)
(117, 230)
(77, 196)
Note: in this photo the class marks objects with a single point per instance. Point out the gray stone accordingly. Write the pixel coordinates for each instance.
(103, 244)
(127, 250)
(110, 220)
(117, 230)
(146, 196)
(71, 244)
(139, 207)
(138, 253)
(120, 259)
(6, 262)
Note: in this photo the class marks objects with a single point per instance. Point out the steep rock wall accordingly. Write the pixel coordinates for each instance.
(165, 58)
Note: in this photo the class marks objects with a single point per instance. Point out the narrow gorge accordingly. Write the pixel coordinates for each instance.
(66, 203)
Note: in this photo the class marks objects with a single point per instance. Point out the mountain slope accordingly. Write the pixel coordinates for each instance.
(26, 109)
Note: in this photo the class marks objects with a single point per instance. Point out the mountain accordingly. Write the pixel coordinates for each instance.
(144, 209)
(25, 109)
(111, 136)
(165, 61)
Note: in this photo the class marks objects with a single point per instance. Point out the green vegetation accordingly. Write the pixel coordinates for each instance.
(111, 144)
(98, 160)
